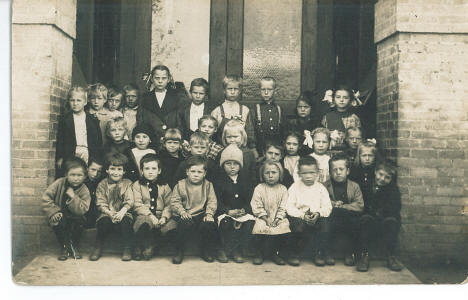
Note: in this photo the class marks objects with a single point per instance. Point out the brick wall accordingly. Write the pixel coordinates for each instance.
(42, 48)
(422, 118)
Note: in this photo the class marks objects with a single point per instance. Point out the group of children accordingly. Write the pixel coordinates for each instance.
(243, 179)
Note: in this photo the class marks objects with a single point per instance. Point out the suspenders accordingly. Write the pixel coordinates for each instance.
(259, 114)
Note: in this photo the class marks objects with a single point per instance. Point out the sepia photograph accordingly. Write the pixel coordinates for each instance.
(238, 142)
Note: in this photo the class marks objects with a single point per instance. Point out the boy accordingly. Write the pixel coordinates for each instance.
(130, 108)
(188, 117)
(114, 102)
(347, 202)
(208, 125)
(275, 152)
(64, 203)
(114, 199)
(268, 116)
(382, 216)
(232, 109)
(308, 208)
(198, 146)
(97, 94)
(353, 139)
(78, 132)
(170, 156)
(321, 139)
(193, 203)
(116, 130)
(91, 181)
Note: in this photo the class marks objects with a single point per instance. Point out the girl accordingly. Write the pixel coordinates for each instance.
(291, 145)
(234, 192)
(363, 169)
(151, 206)
(142, 139)
(159, 106)
(115, 130)
(339, 120)
(321, 139)
(97, 94)
(269, 207)
(306, 119)
(170, 156)
(234, 133)
(114, 102)
(275, 151)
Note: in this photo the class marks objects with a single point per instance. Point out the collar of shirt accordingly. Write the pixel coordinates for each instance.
(197, 108)
(234, 178)
(160, 97)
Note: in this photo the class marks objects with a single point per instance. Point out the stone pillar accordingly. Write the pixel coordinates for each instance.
(422, 115)
(42, 47)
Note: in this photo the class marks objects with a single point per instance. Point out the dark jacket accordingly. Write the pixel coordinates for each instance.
(232, 195)
(66, 139)
(169, 165)
(132, 170)
(384, 203)
(183, 119)
(354, 200)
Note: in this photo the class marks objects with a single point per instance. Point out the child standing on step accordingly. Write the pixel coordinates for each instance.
(269, 207)
(114, 199)
(64, 203)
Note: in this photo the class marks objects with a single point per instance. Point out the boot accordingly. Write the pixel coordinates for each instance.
(394, 264)
(127, 254)
(349, 259)
(73, 250)
(237, 256)
(137, 253)
(148, 252)
(221, 256)
(178, 257)
(329, 260)
(278, 260)
(363, 264)
(319, 259)
(63, 254)
(97, 252)
(258, 258)
(207, 256)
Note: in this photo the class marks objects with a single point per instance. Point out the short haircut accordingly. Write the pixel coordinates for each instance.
(339, 156)
(115, 121)
(130, 87)
(196, 160)
(172, 134)
(149, 158)
(269, 162)
(269, 78)
(199, 138)
(113, 91)
(208, 118)
(307, 161)
(323, 130)
(73, 163)
(116, 159)
(354, 129)
(199, 82)
(232, 79)
(236, 126)
(96, 160)
(275, 144)
(387, 166)
(77, 89)
(97, 89)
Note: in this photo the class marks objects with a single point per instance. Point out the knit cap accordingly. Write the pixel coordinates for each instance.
(232, 152)
(142, 128)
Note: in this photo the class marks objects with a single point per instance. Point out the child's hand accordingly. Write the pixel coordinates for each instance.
(162, 221)
(314, 218)
(59, 163)
(208, 218)
(154, 220)
(275, 222)
(338, 204)
(56, 217)
(70, 193)
(268, 223)
(118, 216)
(185, 216)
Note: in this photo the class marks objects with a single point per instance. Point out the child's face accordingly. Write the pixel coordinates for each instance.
(271, 174)
(339, 171)
(94, 171)
(172, 146)
(97, 101)
(198, 95)
(303, 109)
(142, 141)
(273, 153)
(77, 101)
(198, 149)
(267, 89)
(160, 80)
(232, 91)
(231, 167)
(342, 100)
(367, 157)
(195, 174)
(114, 102)
(292, 145)
(353, 139)
(233, 137)
(151, 170)
(131, 98)
(115, 172)
(117, 132)
(308, 174)
(382, 177)
(208, 127)
(320, 143)
(76, 177)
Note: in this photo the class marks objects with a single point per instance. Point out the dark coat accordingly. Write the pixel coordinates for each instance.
(384, 203)
(183, 119)
(66, 139)
(169, 166)
(226, 191)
